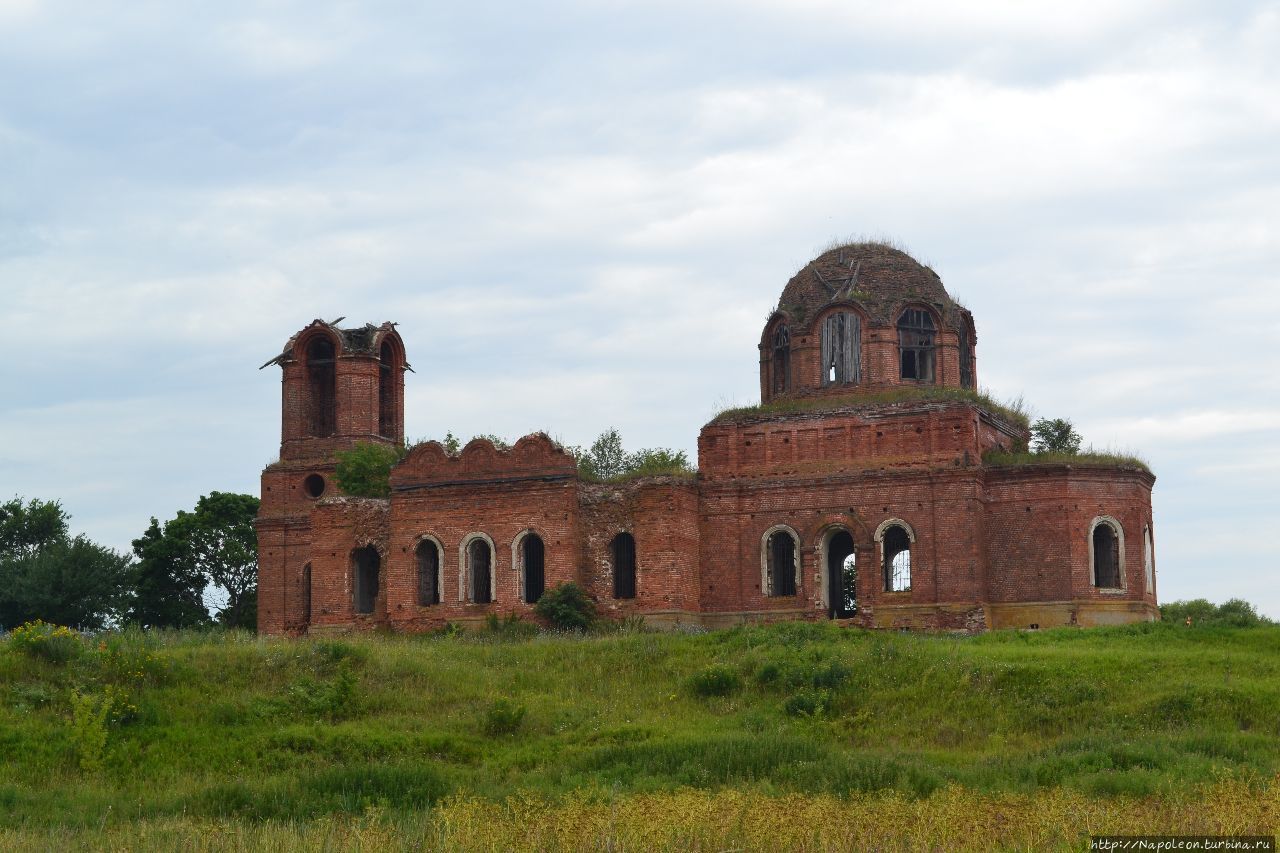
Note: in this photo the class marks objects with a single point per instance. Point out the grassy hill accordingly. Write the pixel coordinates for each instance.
(796, 734)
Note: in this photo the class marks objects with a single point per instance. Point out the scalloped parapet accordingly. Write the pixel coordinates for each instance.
(534, 457)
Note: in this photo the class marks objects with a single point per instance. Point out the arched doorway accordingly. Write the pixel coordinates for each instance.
(842, 576)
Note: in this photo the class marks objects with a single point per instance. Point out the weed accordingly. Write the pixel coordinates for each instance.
(715, 681)
(503, 717)
(53, 643)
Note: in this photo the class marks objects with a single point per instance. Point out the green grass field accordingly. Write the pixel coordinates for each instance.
(228, 740)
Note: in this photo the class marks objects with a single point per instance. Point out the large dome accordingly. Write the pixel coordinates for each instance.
(875, 275)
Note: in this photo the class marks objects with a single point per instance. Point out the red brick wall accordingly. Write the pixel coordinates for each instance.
(1039, 520)
(662, 515)
(890, 436)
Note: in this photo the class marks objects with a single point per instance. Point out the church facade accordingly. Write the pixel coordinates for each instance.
(872, 485)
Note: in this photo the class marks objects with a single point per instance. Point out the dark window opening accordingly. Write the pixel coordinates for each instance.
(479, 567)
(533, 556)
(916, 343)
(428, 573)
(781, 557)
(624, 565)
(842, 577)
(386, 392)
(781, 359)
(366, 564)
(1106, 556)
(313, 485)
(966, 356)
(842, 349)
(306, 594)
(322, 395)
(897, 560)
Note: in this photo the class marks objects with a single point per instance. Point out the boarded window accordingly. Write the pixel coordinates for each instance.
(1106, 556)
(842, 576)
(842, 349)
(897, 559)
(781, 359)
(321, 388)
(306, 594)
(366, 566)
(479, 571)
(428, 573)
(532, 557)
(623, 550)
(780, 556)
(387, 391)
(916, 336)
(966, 355)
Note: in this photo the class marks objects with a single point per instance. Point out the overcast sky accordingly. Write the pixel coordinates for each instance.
(582, 213)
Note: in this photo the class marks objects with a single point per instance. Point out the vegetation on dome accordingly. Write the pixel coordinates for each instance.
(1014, 411)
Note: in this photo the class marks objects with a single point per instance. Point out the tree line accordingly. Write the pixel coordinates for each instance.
(48, 574)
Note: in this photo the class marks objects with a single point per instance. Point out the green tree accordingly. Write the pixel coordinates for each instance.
(168, 585)
(46, 574)
(224, 549)
(364, 471)
(1057, 435)
(606, 459)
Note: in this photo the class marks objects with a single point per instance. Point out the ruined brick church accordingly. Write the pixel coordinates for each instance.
(861, 489)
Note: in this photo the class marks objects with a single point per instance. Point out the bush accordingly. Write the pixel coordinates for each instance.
(365, 470)
(503, 718)
(715, 681)
(567, 607)
(1235, 613)
(53, 643)
(807, 703)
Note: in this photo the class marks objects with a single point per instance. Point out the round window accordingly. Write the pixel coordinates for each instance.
(313, 485)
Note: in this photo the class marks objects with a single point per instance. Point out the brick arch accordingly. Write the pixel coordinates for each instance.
(764, 557)
(440, 573)
(465, 591)
(1118, 531)
(517, 557)
(820, 533)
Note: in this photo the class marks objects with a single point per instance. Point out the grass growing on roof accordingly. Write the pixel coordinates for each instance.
(1013, 411)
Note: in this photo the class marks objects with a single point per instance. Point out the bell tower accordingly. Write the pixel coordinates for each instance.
(339, 387)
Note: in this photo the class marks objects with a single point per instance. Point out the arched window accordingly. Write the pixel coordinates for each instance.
(322, 417)
(306, 594)
(1149, 559)
(781, 359)
(842, 349)
(479, 570)
(781, 562)
(895, 545)
(1107, 553)
(429, 574)
(532, 565)
(387, 391)
(623, 551)
(842, 576)
(916, 344)
(366, 565)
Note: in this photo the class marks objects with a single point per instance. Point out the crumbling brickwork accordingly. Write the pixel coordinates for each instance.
(869, 439)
